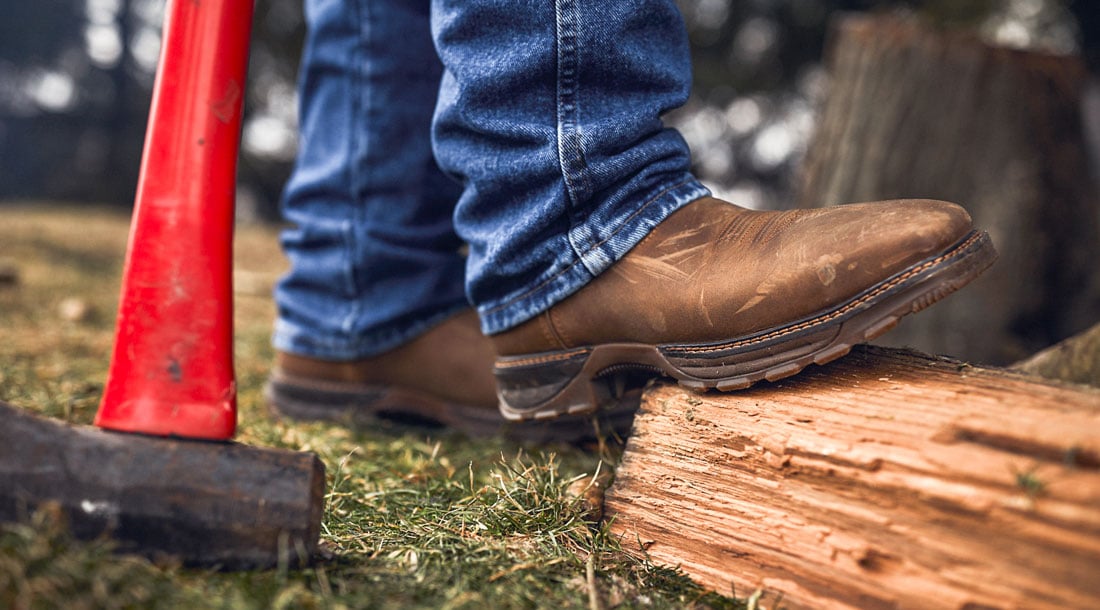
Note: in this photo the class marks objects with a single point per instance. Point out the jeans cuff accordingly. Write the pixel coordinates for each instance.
(302, 341)
(561, 282)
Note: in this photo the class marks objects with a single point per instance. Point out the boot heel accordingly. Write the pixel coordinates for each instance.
(544, 386)
(576, 382)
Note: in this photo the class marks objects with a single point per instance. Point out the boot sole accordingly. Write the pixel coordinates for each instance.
(577, 381)
(362, 406)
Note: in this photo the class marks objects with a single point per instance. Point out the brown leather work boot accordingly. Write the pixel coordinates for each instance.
(443, 378)
(718, 296)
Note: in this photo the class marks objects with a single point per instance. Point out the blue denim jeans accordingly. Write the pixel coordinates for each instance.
(531, 132)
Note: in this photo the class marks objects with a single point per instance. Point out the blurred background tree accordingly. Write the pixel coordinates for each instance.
(76, 75)
(759, 79)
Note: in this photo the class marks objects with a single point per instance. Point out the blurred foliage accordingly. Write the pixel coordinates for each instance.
(75, 85)
(21, 29)
(964, 14)
(76, 76)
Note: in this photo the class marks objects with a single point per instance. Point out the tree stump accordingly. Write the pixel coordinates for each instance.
(913, 111)
(887, 479)
(1076, 360)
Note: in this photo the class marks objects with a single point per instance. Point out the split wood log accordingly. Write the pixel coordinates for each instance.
(917, 111)
(888, 479)
(206, 503)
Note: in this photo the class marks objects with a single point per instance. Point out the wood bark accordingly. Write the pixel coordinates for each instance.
(207, 503)
(887, 479)
(914, 111)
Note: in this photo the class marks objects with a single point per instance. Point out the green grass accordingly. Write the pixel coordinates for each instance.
(412, 518)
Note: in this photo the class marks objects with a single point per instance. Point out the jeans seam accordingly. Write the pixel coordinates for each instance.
(571, 158)
(356, 137)
(603, 241)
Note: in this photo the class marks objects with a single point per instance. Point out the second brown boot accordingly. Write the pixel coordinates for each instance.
(718, 296)
(441, 379)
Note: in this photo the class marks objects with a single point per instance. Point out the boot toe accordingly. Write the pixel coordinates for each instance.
(936, 225)
(884, 238)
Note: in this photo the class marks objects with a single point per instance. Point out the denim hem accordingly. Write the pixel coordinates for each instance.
(559, 283)
(294, 339)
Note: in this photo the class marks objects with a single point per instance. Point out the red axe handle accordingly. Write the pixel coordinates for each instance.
(172, 368)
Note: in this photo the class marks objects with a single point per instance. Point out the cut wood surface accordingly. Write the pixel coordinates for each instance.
(888, 479)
